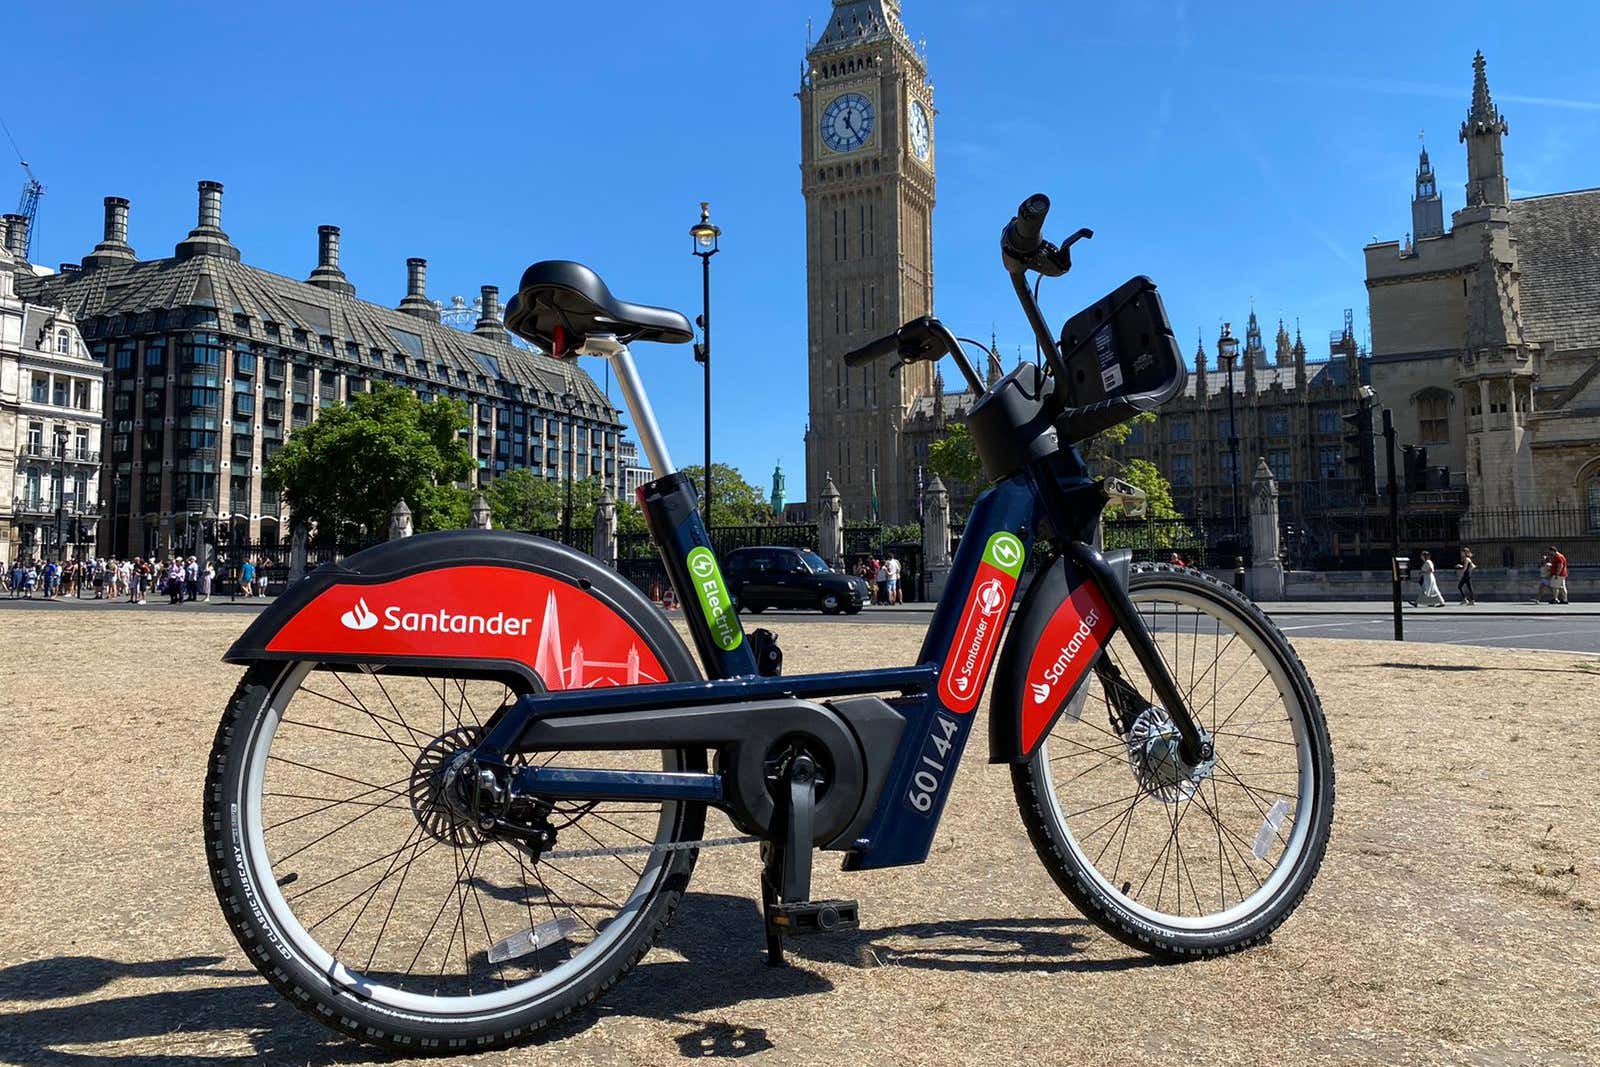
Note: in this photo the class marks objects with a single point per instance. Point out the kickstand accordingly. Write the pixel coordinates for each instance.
(786, 865)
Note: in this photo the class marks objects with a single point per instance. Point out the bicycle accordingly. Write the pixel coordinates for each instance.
(463, 783)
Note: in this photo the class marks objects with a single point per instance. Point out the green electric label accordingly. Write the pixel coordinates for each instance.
(1005, 552)
(714, 599)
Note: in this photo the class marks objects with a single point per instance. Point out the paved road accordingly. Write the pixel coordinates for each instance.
(1491, 625)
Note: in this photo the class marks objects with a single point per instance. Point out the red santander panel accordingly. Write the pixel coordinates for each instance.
(1071, 640)
(571, 639)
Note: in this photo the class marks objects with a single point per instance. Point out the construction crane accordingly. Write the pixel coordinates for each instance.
(28, 206)
(32, 190)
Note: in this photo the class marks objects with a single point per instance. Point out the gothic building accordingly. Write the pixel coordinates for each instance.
(212, 363)
(867, 175)
(1289, 407)
(1486, 336)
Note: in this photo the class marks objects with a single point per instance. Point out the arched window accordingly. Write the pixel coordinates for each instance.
(1433, 416)
(1589, 493)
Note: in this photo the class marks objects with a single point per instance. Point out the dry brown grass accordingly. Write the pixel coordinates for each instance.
(1455, 920)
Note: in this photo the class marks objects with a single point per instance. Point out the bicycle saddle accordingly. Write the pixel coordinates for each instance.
(560, 293)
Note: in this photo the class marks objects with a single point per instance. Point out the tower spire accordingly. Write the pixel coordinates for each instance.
(1427, 209)
(1482, 131)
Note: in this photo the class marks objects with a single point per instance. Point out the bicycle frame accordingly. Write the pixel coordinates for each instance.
(937, 696)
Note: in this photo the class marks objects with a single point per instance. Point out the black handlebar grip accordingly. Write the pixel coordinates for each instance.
(873, 350)
(1029, 224)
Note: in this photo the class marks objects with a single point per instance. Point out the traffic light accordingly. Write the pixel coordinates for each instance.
(1360, 454)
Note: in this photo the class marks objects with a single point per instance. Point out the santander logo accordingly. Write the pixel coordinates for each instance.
(359, 617)
(1041, 692)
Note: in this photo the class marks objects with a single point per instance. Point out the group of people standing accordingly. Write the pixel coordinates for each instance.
(180, 579)
(883, 576)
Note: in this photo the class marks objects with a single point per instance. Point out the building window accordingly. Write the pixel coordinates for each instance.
(1328, 420)
(1433, 417)
(1592, 502)
(1182, 470)
(63, 342)
(1224, 428)
(155, 354)
(1277, 424)
(1330, 462)
(1180, 429)
(41, 389)
(1282, 468)
(59, 395)
(1227, 459)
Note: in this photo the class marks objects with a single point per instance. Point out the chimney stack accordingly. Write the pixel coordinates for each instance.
(113, 246)
(207, 238)
(210, 205)
(489, 321)
(17, 236)
(328, 275)
(416, 301)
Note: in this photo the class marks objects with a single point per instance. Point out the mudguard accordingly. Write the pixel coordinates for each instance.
(1060, 628)
(488, 603)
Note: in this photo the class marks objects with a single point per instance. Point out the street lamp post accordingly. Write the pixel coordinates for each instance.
(62, 435)
(569, 400)
(1228, 352)
(116, 497)
(705, 235)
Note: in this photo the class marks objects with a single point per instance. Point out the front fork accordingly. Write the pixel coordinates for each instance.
(1069, 495)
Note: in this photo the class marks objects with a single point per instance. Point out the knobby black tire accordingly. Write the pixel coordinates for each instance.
(388, 1027)
(1029, 779)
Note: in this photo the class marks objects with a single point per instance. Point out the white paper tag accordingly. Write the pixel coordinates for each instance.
(1270, 827)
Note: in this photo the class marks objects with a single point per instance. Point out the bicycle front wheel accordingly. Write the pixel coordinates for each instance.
(1186, 861)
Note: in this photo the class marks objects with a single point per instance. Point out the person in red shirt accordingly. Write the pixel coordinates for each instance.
(1558, 575)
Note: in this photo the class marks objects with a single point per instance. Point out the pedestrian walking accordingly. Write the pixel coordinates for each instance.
(1543, 594)
(892, 568)
(1464, 580)
(191, 578)
(207, 574)
(174, 581)
(1430, 596)
(1558, 575)
(880, 581)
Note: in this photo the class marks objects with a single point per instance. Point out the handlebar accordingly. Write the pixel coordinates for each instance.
(921, 339)
(1022, 235)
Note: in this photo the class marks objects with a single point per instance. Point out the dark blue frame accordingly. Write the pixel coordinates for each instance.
(902, 827)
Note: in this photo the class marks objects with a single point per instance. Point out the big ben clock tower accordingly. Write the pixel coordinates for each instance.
(867, 152)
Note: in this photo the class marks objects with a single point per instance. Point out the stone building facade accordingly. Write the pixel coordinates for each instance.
(1289, 406)
(1486, 336)
(51, 395)
(212, 363)
(867, 174)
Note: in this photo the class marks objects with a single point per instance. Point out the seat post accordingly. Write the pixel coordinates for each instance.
(633, 395)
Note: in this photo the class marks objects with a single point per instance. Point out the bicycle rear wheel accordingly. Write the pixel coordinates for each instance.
(1186, 862)
(364, 896)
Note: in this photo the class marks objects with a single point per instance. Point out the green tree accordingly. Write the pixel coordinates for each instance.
(355, 462)
(954, 457)
(734, 501)
(521, 500)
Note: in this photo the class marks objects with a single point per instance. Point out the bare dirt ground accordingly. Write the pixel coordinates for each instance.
(1457, 919)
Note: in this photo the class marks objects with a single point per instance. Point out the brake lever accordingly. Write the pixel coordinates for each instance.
(1061, 258)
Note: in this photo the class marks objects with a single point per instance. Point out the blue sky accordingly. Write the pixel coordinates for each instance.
(1231, 152)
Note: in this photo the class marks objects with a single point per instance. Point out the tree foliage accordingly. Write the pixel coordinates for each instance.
(522, 500)
(734, 501)
(954, 457)
(356, 462)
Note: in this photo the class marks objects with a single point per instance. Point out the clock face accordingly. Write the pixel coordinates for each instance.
(918, 121)
(847, 123)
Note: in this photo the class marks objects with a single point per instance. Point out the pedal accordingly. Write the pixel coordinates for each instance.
(814, 917)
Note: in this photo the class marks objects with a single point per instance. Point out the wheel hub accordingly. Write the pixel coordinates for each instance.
(1154, 746)
(441, 789)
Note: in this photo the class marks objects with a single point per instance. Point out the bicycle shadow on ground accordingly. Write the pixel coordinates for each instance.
(712, 958)
(1461, 668)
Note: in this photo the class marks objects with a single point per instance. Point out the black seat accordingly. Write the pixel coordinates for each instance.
(560, 293)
